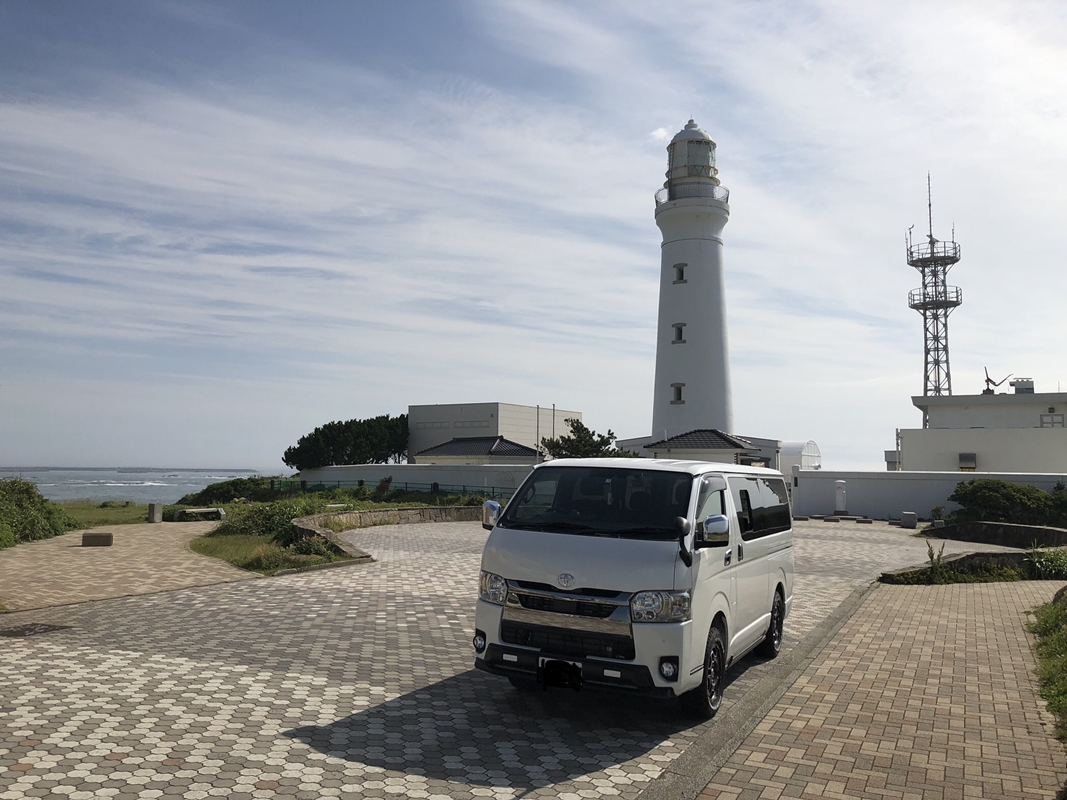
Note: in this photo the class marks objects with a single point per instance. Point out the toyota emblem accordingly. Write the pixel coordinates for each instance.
(566, 580)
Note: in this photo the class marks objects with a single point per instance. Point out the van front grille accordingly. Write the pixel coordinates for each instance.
(563, 642)
(537, 602)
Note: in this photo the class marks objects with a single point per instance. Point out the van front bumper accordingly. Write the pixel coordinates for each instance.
(523, 663)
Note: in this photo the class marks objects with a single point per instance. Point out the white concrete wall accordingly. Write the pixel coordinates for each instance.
(504, 476)
(884, 495)
(519, 423)
(692, 234)
(991, 410)
(998, 449)
(429, 426)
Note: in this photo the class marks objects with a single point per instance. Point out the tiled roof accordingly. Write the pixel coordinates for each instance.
(702, 439)
(480, 446)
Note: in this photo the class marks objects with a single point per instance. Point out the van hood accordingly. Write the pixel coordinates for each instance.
(596, 562)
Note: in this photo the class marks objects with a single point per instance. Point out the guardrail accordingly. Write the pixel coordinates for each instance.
(680, 191)
(933, 252)
(951, 298)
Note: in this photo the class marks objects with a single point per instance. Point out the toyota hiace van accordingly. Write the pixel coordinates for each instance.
(635, 575)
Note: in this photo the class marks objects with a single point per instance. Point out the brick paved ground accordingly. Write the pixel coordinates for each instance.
(355, 681)
(144, 558)
(927, 692)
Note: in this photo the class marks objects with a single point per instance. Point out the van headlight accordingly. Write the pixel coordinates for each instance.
(660, 607)
(493, 588)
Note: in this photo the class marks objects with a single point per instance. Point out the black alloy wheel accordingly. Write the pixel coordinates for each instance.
(771, 645)
(704, 701)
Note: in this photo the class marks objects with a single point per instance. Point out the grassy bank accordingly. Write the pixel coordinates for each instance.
(265, 556)
(90, 514)
(1049, 626)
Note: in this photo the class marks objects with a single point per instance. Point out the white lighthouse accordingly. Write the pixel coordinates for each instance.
(692, 388)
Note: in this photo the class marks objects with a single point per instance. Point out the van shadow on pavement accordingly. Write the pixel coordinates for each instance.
(476, 728)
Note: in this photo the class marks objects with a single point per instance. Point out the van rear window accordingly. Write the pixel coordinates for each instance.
(599, 501)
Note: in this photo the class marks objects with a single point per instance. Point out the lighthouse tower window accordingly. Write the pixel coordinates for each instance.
(700, 158)
(679, 273)
(677, 400)
(679, 333)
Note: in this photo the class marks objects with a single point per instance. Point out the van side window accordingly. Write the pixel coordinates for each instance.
(775, 501)
(762, 506)
(745, 518)
(709, 504)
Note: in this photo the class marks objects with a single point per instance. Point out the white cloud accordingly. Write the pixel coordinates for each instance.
(376, 240)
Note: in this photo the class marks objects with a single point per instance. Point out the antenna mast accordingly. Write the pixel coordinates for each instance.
(935, 300)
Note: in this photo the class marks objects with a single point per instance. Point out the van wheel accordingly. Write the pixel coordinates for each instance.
(704, 701)
(771, 645)
(524, 684)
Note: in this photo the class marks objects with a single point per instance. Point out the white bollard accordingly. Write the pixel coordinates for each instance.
(840, 506)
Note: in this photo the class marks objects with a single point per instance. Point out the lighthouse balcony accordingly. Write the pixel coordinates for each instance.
(680, 191)
(923, 301)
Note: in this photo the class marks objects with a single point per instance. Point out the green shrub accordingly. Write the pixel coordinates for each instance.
(28, 515)
(7, 535)
(1049, 626)
(256, 488)
(382, 489)
(993, 500)
(1047, 565)
(269, 520)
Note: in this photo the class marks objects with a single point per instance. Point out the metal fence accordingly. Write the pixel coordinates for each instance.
(293, 485)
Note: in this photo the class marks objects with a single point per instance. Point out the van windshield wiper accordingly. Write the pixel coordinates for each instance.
(548, 527)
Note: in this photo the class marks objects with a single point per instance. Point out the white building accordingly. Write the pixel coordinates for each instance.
(433, 425)
(692, 386)
(1020, 432)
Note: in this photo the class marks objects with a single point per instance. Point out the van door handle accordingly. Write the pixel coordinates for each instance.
(740, 552)
(726, 557)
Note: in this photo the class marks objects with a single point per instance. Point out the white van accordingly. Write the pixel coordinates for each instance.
(636, 575)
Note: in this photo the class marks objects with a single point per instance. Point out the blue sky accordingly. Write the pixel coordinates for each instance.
(224, 224)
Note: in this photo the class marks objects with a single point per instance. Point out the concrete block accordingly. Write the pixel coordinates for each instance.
(97, 539)
(155, 512)
(939, 523)
(909, 519)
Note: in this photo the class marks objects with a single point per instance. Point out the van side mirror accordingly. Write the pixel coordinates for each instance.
(682, 526)
(490, 514)
(716, 532)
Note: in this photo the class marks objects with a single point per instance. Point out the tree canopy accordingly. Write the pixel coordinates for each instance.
(584, 443)
(378, 440)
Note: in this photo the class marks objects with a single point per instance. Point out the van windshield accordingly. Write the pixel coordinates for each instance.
(600, 501)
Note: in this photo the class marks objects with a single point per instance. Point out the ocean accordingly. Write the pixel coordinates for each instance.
(141, 485)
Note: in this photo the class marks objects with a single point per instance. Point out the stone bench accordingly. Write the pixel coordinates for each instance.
(98, 539)
(210, 513)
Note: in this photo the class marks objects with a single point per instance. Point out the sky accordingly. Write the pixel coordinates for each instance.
(224, 224)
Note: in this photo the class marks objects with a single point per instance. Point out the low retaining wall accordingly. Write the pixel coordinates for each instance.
(1002, 533)
(963, 560)
(312, 526)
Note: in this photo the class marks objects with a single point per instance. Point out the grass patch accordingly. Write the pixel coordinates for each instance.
(3, 609)
(90, 514)
(1049, 626)
(257, 554)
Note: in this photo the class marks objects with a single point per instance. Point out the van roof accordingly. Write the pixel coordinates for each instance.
(660, 464)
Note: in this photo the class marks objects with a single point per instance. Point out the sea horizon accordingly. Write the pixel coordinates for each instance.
(136, 484)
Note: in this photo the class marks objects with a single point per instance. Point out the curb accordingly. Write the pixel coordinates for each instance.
(348, 562)
(688, 775)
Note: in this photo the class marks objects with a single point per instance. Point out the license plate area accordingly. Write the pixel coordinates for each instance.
(561, 674)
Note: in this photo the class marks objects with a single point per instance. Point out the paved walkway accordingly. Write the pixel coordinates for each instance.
(144, 558)
(355, 682)
(927, 692)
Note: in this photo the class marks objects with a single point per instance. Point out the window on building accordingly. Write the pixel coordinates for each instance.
(1052, 420)
(676, 390)
(679, 333)
(968, 462)
(679, 273)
